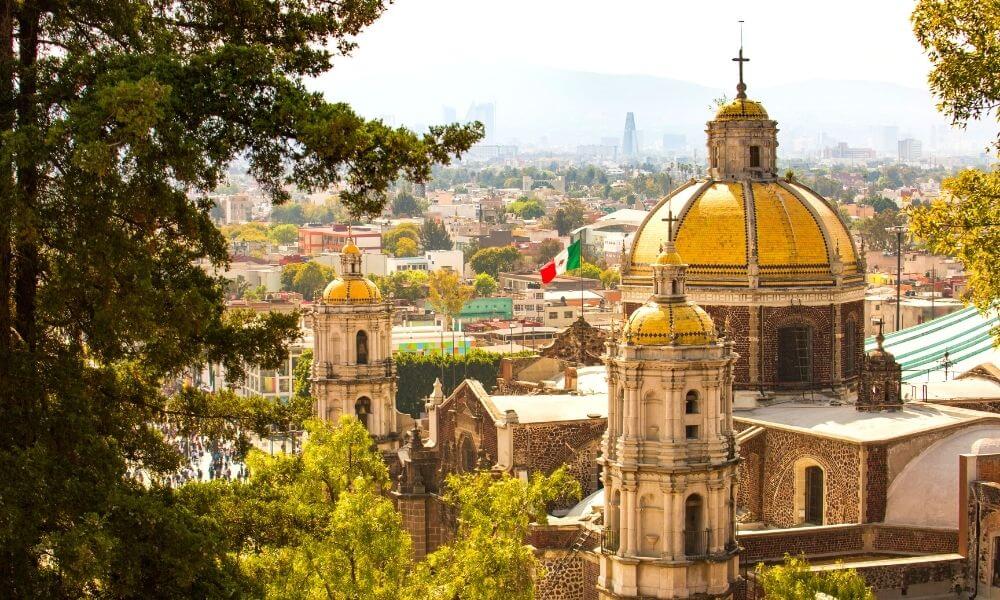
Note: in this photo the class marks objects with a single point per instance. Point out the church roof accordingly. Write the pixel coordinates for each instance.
(794, 235)
(741, 109)
(351, 291)
(847, 423)
(664, 323)
(964, 335)
(551, 408)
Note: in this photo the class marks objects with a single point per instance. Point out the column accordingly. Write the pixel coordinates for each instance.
(678, 520)
(676, 399)
(628, 535)
(666, 489)
(838, 346)
(754, 346)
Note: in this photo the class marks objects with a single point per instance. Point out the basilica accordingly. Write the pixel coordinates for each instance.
(732, 417)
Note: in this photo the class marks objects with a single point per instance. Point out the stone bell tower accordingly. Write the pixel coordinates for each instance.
(353, 372)
(880, 379)
(669, 455)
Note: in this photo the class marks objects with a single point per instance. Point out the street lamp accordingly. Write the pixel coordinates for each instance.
(899, 230)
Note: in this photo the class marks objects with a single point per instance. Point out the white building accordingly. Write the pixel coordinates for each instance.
(432, 260)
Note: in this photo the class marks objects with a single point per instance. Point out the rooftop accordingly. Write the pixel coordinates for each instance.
(845, 422)
(548, 408)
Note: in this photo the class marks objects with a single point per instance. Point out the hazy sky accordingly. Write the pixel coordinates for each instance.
(787, 41)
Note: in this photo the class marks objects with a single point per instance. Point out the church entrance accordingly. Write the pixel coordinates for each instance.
(814, 496)
(795, 354)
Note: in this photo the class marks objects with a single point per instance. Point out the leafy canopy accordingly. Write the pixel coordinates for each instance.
(117, 118)
(495, 260)
(793, 580)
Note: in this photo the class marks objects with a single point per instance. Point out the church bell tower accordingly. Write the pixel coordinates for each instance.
(353, 372)
(669, 455)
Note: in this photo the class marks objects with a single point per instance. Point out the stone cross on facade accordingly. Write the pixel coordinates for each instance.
(880, 322)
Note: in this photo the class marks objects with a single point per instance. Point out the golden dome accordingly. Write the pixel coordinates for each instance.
(669, 258)
(351, 248)
(741, 109)
(679, 323)
(351, 291)
(789, 231)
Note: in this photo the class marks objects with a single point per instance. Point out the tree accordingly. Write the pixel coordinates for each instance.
(257, 293)
(404, 230)
(291, 213)
(118, 119)
(405, 205)
(610, 278)
(404, 285)
(527, 208)
(960, 38)
(488, 559)
(548, 249)
(434, 236)
(484, 285)
(420, 370)
(448, 294)
(406, 247)
(874, 232)
(880, 204)
(308, 278)
(793, 580)
(283, 234)
(495, 260)
(569, 216)
(587, 271)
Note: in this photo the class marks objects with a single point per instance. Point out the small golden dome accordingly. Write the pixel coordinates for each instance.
(669, 258)
(741, 110)
(351, 248)
(678, 323)
(351, 291)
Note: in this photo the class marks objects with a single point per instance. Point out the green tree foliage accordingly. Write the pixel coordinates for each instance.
(283, 234)
(248, 232)
(434, 236)
(484, 285)
(420, 370)
(448, 294)
(548, 249)
(610, 278)
(291, 213)
(404, 285)
(527, 208)
(405, 205)
(118, 118)
(308, 278)
(489, 560)
(793, 580)
(391, 238)
(587, 271)
(495, 260)
(960, 38)
(874, 232)
(569, 216)
(880, 204)
(405, 248)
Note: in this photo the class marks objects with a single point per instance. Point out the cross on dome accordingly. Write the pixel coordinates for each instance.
(741, 88)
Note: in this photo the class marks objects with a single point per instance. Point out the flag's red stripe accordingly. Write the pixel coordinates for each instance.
(548, 272)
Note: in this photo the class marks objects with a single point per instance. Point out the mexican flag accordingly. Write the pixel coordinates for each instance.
(567, 260)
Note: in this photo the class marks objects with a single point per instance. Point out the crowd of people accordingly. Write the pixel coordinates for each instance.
(204, 459)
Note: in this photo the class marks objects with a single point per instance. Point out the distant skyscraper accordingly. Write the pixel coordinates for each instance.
(485, 113)
(910, 150)
(630, 141)
(448, 114)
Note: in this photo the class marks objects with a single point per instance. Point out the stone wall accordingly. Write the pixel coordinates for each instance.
(563, 577)
(739, 327)
(464, 416)
(853, 311)
(839, 461)
(876, 483)
(749, 497)
(771, 545)
(820, 318)
(545, 447)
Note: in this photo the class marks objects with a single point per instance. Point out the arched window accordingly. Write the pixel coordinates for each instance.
(695, 535)
(363, 410)
(468, 454)
(850, 352)
(362, 346)
(691, 403)
(754, 157)
(795, 354)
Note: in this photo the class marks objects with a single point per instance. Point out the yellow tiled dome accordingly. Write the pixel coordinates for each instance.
(669, 258)
(793, 233)
(741, 109)
(351, 248)
(679, 323)
(351, 291)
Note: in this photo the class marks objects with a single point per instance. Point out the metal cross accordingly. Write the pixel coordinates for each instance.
(741, 88)
(880, 322)
(670, 220)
